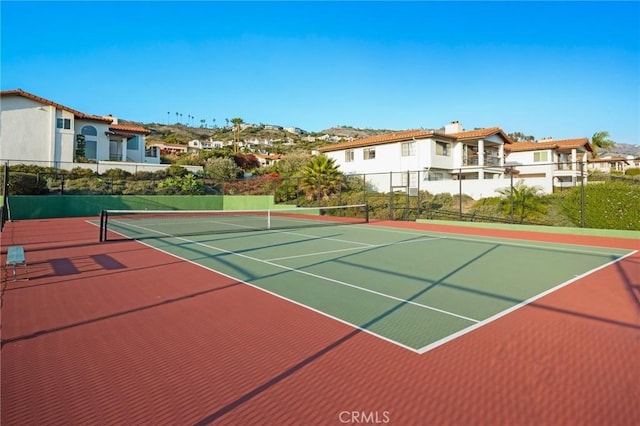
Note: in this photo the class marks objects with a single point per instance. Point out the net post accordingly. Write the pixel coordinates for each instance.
(101, 224)
(366, 213)
(269, 219)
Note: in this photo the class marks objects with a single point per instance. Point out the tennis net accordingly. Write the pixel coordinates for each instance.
(140, 224)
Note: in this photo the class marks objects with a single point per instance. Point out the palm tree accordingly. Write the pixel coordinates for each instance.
(321, 178)
(601, 140)
(177, 115)
(522, 198)
(237, 123)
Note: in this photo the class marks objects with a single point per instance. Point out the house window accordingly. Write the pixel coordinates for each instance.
(90, 142)
(369, 153)
(442, 148)
(132, 144)
(90, 150)
(63, 123)
(89, 131)
(348, 156)
(408, 149)
(539, 157)
(435, 175)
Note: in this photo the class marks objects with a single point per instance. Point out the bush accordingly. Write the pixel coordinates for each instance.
(79, 172)
(610, 205)
(633, 172)
(26, 184)
(116, 174)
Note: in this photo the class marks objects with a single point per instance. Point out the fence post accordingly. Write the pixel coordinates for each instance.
(460, 195)
(581, 194)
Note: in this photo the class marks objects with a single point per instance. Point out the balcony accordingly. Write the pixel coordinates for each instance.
(474, 160)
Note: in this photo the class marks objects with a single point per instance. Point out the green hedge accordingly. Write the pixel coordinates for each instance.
(610, 205)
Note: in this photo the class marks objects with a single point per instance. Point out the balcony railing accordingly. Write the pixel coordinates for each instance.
(474, 160)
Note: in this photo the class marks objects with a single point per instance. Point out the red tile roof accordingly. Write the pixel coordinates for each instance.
(129, 128)
(76, 113)
(480, 133)
(406, 135)
(550, 144)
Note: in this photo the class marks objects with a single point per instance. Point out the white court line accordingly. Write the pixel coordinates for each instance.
(516, 307)
(298, 271)
(570, 248)
(369, 246)
(340, 320)
(477, 324)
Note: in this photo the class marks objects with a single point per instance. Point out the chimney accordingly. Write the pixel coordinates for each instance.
(453, 127)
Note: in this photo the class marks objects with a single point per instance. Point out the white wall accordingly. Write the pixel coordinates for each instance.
(27, 129)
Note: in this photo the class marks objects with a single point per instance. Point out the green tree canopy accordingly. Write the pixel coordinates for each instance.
(526, 200)
(222, 169)
(321, 178)
(600, 140)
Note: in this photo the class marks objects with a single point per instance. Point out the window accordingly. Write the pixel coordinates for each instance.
(63, 123)
(408, 149)
(89, 131)
(442, 148)
(348, 156)
(90, 150)
(539, 157)
(369, 153)
(132, 144)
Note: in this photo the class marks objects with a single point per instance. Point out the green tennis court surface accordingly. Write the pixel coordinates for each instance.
(414, 289)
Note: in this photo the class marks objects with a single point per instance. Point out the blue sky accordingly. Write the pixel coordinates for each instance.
(560, 69)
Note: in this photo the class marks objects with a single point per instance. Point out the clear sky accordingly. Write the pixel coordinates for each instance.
(560, 69)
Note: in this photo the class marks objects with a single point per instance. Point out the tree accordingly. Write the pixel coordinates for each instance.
(601, 140)
(521, 137)
(237, 126)
(222, 169)
(525, 200)
(292, 164)
(321, 178)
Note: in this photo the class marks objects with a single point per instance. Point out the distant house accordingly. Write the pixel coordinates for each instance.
(563, 163)
(197, 145)
(616, 163)
(34, 130)
(268, 159)
(170, 148)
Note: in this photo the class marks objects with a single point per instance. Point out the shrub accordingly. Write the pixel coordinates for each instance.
(115, 174)
(610, 205)
(79, 172)
(633, 172)
(26, 184)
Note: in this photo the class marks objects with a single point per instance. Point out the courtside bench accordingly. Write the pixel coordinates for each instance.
(15, 257)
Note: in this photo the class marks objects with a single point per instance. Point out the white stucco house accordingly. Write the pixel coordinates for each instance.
(434, 160)
(453, 160)
(560, 163)
(34, 130)
(613, 163)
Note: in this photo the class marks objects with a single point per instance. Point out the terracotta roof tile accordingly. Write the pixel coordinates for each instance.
(403, 135)
(406, 135)
(550, 144)
(76, 113)
(129, 128)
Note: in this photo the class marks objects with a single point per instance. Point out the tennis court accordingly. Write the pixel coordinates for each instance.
(413, 288)
(306, 318)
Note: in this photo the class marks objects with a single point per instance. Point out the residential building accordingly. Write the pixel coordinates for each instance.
(615, 163)
(433, 159)
(268, 159)
(551, 163)
(453, 160)
(34, 130)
